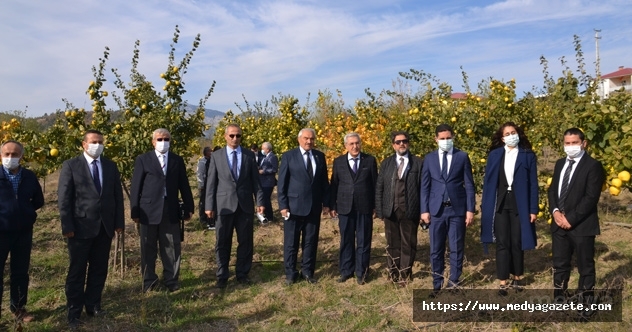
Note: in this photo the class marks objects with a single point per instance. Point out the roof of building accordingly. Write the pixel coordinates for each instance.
(619, 73)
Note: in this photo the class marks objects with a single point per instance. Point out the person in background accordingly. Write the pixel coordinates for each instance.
(258, 154)
(159, 179)
(510, 202)
(202, 169)
(267, 175)
(352, 198)
(397, 204)
(91, 209)
(20, 196)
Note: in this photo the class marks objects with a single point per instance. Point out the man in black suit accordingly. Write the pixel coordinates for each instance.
(201, 171)
(573, 197)
(268, 168)
(158, 177)
(397, 204)
(232, 183)
(91, 209)
(353, 201)
(20, 196)
(303, 193)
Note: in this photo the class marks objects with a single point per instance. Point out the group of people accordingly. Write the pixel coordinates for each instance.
(436, 193)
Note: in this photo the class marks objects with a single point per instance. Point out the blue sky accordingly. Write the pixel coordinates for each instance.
(261, 48)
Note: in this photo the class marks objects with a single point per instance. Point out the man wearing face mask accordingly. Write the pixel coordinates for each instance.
(447, 204)
(573, 197)
(397, 204)
(159, 177)
(20, 196)
(91, 209)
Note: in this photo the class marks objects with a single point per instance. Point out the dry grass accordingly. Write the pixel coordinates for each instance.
(270, 305)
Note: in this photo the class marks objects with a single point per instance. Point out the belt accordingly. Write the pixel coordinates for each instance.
(448, 203)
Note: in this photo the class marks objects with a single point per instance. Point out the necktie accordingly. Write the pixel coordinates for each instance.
(95, 176)
(565, 181)
(444, 169)
(355, 165)
(400, 168)
(310, 169)
(163, 164)
(234, 165)
(444, 175)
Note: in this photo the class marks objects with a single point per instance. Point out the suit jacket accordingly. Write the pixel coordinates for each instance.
(223, 194)
(525, 188)
(460, 184)
(270, 166)
(18, 213)
(296, 191)
(82, 209)
(148, 188)
(584, 191)
(385, 186)
(353, 190)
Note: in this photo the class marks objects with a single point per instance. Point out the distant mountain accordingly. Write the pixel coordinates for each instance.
(208, 113)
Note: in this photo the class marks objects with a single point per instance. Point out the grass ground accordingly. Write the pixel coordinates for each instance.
(327, 306)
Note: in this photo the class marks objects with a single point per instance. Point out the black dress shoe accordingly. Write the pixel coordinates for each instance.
(151, 287)
(289, 281)
(244, 281)
(173, 288)
(74, 324)
(517, 285)
(309, 279)
(221, 283)
(342, 279)
(434, 293)
(502, 290)
(361, 281)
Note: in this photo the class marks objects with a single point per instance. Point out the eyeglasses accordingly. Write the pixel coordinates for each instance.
(166, 139)
(234, 135)
(401, 141)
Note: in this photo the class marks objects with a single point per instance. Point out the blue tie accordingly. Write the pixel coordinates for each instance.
(444, 175)
(95, 176)
(234, 166)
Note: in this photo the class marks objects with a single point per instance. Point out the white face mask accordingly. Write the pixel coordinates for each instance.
(94, 150)
(162, 147)
(263, 152)
(572, 151)
(512, 140)
(11, 163)
(445, 144)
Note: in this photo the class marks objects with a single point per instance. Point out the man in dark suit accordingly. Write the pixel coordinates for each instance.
(302, 194)
(201, 171)
(91, 209)
(232, 183)
(20, 196)
(573, 197)
(397, 204)
(158, 177)
(353, 201)
(258, 154)
(447, 203)
(268, 168)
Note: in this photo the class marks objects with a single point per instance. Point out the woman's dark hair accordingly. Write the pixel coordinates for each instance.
(497, 141)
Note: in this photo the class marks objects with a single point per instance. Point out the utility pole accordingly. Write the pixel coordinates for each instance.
(597, 37)
(601, 89)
